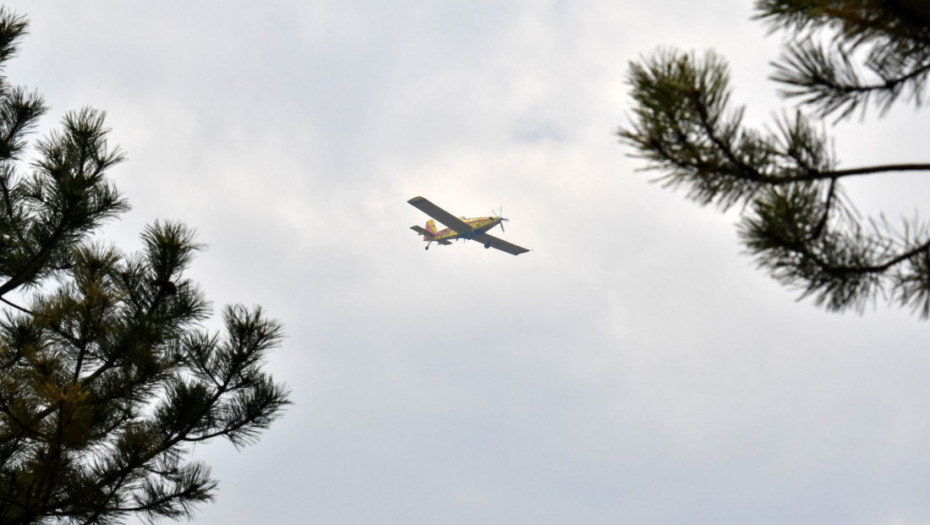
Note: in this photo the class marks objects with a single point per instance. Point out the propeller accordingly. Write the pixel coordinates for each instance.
(502, 219)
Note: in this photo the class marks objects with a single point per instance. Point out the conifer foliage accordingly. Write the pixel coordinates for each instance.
(106, 377)
(797, 222)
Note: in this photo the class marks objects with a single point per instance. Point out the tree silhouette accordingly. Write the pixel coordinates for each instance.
(106, 378)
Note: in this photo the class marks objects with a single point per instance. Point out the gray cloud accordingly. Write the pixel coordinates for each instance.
(633, 367)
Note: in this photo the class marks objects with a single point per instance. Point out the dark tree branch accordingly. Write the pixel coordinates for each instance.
(20, 308)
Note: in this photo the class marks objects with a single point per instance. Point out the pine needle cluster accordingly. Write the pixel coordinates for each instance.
(892, 36)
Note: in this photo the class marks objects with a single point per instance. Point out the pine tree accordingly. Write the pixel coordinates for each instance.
(796, 220)
(106, 378)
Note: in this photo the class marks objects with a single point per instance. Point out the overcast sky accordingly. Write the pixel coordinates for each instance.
(634, 367)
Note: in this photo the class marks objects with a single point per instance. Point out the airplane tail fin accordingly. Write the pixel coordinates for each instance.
(428, 233)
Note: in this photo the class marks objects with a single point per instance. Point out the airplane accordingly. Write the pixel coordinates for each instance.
(474, 229)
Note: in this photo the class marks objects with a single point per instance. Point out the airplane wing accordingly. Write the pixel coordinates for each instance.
(441, 215)
(500, 244)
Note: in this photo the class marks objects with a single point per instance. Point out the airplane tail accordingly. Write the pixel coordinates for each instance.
(428, 233)
(431, 229)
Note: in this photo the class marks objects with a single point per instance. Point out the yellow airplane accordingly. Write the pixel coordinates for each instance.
(474, 229)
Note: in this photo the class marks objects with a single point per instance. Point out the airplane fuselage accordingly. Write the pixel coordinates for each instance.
(480, 225)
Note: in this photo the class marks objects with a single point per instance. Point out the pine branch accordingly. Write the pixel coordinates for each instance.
(683, 126)
(14, 305)
(869, 170)
(797, 229)
(791, 235)
(895, 35)
(829, 79)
